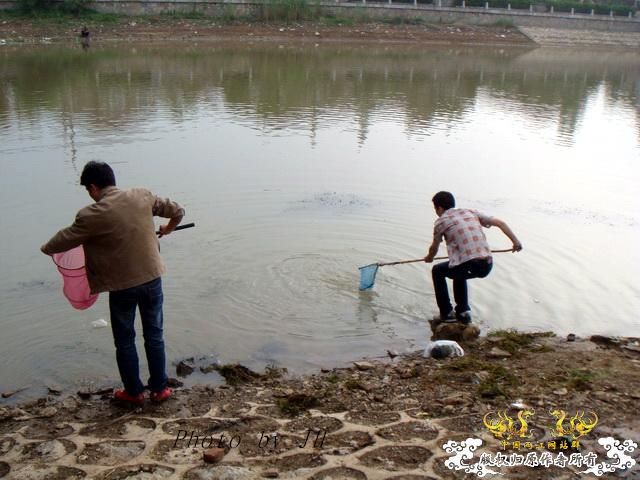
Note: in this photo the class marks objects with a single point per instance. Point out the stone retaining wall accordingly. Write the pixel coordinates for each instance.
(428, 12)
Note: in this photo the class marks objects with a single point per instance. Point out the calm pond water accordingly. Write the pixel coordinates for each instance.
(301, 163)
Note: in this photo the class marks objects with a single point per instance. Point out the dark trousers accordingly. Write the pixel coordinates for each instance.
(148, 298)
(476, 268)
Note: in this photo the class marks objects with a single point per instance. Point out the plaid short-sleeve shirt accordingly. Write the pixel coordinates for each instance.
(462, 231)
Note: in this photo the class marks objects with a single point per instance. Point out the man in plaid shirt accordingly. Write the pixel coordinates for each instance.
(469, 253)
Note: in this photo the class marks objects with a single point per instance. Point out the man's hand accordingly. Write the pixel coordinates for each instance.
(166, 229)
(169, 227)
(433, 249)
(517, 246)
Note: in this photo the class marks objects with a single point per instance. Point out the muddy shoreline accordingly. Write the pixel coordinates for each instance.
(378, 418)
(152, 29)
(164, 29)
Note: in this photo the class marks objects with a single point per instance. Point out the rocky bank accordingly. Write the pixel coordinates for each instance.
(375, 420)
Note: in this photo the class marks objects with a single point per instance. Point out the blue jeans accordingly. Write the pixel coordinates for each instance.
(122, 306)
(477, 268)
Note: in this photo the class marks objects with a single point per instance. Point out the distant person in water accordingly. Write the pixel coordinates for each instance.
(84, 37)
(468, 250)
(122, 257)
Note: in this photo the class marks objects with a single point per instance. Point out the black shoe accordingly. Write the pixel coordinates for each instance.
(464, 317)
(448, 318)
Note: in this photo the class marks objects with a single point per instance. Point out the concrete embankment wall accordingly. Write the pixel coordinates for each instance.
(481, 16)
(428, 12)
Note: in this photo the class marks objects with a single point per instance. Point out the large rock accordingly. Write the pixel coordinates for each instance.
(458, 332)
(496, 352)
(363, 366)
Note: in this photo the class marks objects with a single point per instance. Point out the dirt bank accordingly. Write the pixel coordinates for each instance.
(16, 30)
(377, 419)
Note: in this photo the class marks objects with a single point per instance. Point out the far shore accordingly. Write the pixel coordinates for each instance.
(15, 30)
(107, 29)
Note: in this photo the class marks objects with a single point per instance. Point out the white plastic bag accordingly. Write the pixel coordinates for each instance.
(444, 348)
(100, 323)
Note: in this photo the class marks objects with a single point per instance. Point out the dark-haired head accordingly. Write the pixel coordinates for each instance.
(443, 200)
(99, 174)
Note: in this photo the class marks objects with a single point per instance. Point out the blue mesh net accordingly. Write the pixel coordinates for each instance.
(368, 276)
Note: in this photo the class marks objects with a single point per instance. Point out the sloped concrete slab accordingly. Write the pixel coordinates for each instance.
(577, 38)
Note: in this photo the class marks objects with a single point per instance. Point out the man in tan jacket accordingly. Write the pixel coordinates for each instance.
(122, 257)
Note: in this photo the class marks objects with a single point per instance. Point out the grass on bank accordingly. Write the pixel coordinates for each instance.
(278, 11)
(74, 11)
(580, 379)
(504, 23)
(516, 343)
(56, 10)
(289, 10)
(228, 16)
(494, 381)
(175, 15)
(60, 16)
(296, 404)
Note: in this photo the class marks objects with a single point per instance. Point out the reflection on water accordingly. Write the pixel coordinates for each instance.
(303, 88)
(300, 164)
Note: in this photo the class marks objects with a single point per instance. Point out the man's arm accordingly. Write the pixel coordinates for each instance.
(163, 207)
(496, 222)
(67, 238)
(433, 249)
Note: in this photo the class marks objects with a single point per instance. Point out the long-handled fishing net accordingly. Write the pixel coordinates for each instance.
(74, 276)
(368, 272)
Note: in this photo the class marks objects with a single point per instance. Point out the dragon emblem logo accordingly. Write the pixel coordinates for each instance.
(504, 427)
(576, 426)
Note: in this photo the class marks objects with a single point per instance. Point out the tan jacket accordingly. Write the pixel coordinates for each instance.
(118, 235)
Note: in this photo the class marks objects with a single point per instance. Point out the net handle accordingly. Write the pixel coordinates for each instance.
(179, 227)
(437, 258)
